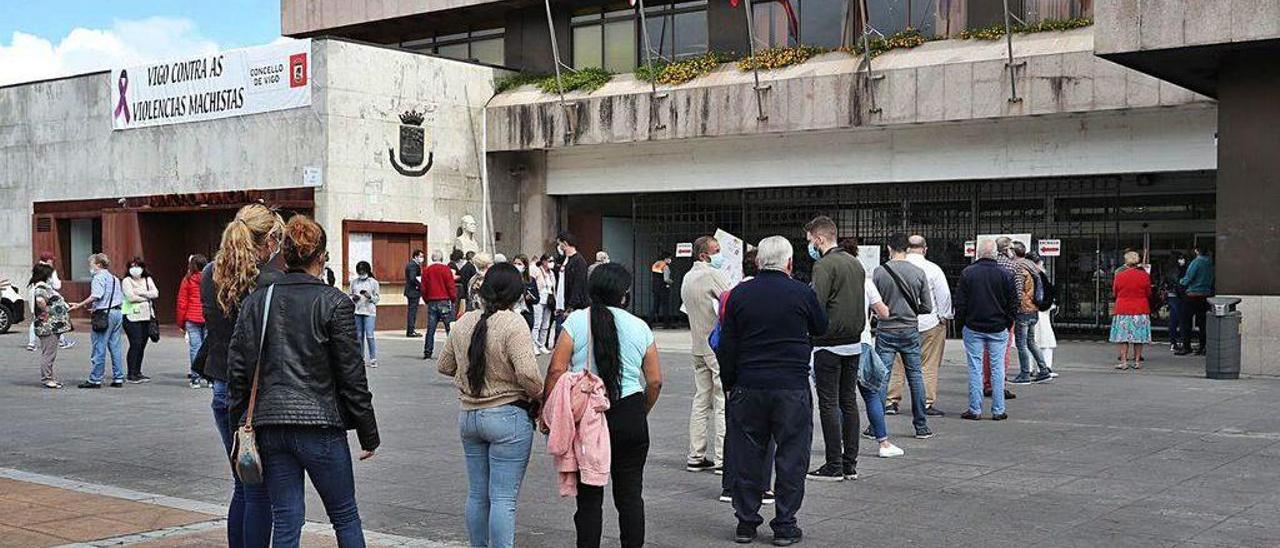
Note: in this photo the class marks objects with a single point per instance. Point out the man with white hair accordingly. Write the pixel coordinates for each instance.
(764, 355)
(601, 258)
(986, 303)
(440, 291)
(933, 331)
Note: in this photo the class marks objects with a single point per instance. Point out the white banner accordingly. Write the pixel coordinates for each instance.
(208, 87)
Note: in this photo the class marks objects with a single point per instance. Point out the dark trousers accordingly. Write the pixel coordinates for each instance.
(1175, 318)
(137, 333)
(836, 380)
(629, 444)
(411, 315)
(1193, 308)
(323, 455)
(660, 308)
(755, 418)
(727, 478)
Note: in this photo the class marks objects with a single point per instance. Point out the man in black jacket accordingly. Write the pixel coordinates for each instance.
(839, 282)
(575, 274)
(412, 292)
(986, 303)
(764, 355)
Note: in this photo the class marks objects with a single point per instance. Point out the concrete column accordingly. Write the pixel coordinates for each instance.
(534, 222)
(528, 41)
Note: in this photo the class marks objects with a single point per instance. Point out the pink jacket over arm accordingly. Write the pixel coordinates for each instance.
(579, 440)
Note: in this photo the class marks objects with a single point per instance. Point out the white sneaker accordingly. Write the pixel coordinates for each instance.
(373, 364)
(891, 451)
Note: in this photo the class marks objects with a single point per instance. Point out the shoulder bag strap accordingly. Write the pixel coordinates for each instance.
(257, 370)
(902, 286)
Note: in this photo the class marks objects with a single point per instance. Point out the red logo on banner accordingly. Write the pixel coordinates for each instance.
(297, 70)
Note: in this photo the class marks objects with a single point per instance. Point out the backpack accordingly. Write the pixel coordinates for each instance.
(56, 317)
(1044, 292)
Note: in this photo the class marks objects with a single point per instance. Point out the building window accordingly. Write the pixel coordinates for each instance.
(678, 30)
(821, 22)
(79, 239)
(480, 46)
(889, 17)
(605, 38)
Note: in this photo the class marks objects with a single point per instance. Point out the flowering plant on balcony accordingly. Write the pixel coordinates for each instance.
(776, 58)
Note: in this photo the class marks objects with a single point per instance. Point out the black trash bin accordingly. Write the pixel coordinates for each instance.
(1222, 352)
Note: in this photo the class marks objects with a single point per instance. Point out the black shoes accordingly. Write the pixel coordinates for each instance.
(768, 498)
(1010, 395)
(726, 496)
(891, 409)
(788, 540)
(827, 472)
(746, 534)
(867, 433)
(117, 384)
(1000, 417)
(140, 379)
(930, 411)
(1042, 377)
(703, 465)
(850, 473)
(413, 334)
(88, 384)
(1021, 379)
(970, 416)
(924, 433)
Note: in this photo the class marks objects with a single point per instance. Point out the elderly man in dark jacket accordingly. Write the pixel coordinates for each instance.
(764, 355)
(986, 303)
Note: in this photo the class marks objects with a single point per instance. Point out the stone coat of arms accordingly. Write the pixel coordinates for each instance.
(412, 146)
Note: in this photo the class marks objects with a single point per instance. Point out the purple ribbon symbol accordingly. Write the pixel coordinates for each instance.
(123, 105)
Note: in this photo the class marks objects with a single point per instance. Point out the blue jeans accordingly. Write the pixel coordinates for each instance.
(1025, 337)
(323, 453)
(364, 334)
(104, 341)
(497, 442)
(195, 339)
(249, 515)
(1175, 318)
(906, 344)
(975, 342)
(437, 311)
(873, 397)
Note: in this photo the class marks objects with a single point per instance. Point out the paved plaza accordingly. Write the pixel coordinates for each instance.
(1160, 457)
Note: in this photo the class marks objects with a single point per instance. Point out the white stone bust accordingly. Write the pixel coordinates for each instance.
(466, 240)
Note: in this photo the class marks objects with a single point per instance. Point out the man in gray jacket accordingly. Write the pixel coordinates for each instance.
(838, 281)
(700, 293)
(905, 289)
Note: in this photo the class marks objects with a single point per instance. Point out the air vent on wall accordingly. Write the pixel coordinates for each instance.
(44, 224)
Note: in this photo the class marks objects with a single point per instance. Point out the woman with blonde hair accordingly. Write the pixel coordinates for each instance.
(1131, 319)
(297, 377)
(250, 242)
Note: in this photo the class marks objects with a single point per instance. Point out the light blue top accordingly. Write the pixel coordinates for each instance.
(105, 288)
(634, 340)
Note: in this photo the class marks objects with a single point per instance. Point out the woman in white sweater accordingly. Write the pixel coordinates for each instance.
(364, 291)
(139, 291)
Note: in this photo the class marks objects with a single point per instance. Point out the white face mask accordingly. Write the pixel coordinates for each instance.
(362, 276)
(520, 268)
(135, 271)
(418, 260)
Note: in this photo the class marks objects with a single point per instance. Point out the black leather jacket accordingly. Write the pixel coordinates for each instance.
(211, 360)
(313, 371)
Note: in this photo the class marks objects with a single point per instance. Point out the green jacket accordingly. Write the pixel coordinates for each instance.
(840, 282)
(1199, 277)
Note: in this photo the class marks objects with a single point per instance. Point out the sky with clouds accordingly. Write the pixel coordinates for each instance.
(52, 38)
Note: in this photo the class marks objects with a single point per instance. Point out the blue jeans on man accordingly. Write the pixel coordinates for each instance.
(437, 311)
(755, 417)
(195, 339)
(1025, 337)
(994, 345)
(107, 341)
(905, 343)
(497, 442)
(249, 514)
(323, 455)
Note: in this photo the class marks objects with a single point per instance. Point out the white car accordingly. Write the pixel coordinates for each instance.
(12, 307)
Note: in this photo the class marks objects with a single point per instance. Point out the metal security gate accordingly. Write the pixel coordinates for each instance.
(1097, 219)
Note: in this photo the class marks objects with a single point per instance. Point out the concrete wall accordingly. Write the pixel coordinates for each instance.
(305, 17)
(367, 88)
(1136, 25)
(1099, 143)
(56, 143)
(948, 80)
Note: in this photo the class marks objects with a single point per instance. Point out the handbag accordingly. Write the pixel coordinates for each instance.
(100, 319)
(245, 459)
(153, 327)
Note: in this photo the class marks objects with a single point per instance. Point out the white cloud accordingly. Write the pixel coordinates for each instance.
(29, 57)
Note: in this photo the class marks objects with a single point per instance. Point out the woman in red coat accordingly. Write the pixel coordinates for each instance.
(190, 314)
(1131, 319)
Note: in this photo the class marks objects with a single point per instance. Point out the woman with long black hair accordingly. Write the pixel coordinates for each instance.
(623, 354)
(490, 357)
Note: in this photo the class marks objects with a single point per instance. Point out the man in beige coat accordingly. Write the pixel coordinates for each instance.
(700, 294)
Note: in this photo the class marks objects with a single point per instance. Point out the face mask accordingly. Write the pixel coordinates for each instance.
(363, 276)
(717, 260)
(135, 271)
(813, 252)
(418, 260)
(520, 268)
(1182, 262)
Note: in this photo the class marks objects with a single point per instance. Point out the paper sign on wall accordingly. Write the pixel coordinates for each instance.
(1050, 248)
(359, 248)
(684, 250)
(869, 256)
(970, 248)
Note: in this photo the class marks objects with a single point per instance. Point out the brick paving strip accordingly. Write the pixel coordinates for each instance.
(38, 510)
